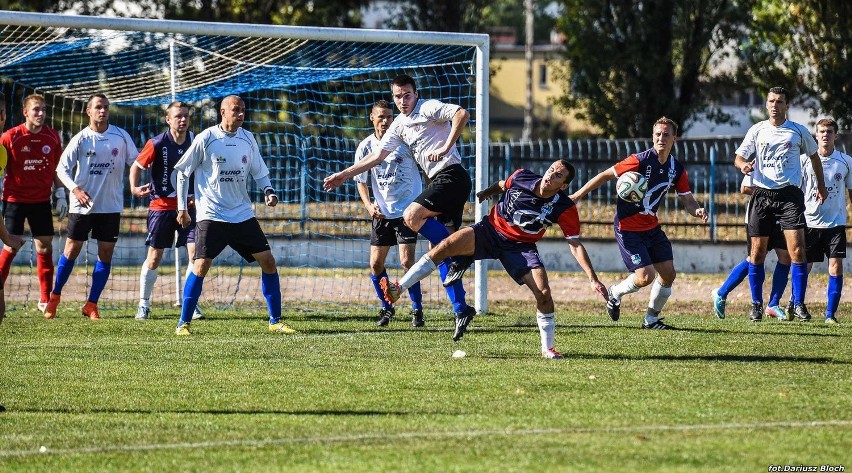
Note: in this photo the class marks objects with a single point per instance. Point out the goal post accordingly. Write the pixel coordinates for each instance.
(307, 89)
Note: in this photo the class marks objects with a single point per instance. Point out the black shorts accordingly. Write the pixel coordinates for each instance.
(162, 225)
(104, 227)
(822, 242)
(246, 238)
(770, 208)
(447, 193)
(777, 241)
(38, 216)
(390, 232)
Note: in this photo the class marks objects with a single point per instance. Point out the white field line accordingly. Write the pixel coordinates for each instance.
(372, 437)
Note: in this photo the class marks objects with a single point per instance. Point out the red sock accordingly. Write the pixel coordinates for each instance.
(6, 258)
(44, 268)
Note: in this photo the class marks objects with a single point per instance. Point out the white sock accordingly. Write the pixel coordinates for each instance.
(547, 329)
(146, 285)
(623, 288)
(659, 296)
(419, 270)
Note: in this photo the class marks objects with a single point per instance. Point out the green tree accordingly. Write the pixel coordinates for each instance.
(802, 45)
(341, 13)
(632, 61)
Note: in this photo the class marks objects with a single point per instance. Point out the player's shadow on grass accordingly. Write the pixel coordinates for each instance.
(225, 412)
(750, 358)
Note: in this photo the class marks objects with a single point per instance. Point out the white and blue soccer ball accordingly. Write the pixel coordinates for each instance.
(631, 187)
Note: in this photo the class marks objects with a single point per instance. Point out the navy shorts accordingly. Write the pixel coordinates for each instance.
(162, 225)
(38, 216)
(822, 242)
(518, 258)
(246, 238)
(104, 227)
(446, 194)
(640, 249)
(390, 232)
(770, 208)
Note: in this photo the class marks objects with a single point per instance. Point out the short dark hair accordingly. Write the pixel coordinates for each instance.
(2, 99)
(382, 104)
(666, 121)
(570, 169)
(96, 96)
(177, 103)
(403, 80)
(829, 122)
(780, 91)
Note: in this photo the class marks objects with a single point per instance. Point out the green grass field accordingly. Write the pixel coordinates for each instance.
(342, 395)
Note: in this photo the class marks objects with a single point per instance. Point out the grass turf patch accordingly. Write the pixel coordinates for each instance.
(342, 395)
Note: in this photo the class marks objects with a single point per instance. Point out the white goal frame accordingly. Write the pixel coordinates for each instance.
(478, 41)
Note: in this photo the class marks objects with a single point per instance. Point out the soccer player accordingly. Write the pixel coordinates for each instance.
(92, 166)
(159, 155)
(430, 128)
(826, 219)
(14, 242)
(222, 158)
(395, 183)
(740, 271)
(645, 248)
(33, 151)
(775, 146)
(529, 205)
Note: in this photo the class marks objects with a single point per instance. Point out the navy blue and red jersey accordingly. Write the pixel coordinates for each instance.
(160, 154)
(642, 216)
(523, 216)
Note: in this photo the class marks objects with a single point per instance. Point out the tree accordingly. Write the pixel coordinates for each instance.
(632, 61)
(803, 45)
(341, 13)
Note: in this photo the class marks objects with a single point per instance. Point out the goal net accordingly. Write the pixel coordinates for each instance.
(308, 92)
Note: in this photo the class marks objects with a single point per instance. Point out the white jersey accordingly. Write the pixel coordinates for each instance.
(777, 150)
(837, 170)
(96, 162)
(424, 130)
(222, 163)
(395, 181)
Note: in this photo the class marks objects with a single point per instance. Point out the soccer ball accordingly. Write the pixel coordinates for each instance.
(631, 187)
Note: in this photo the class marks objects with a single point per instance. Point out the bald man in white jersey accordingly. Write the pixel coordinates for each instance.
(826, 220)
(430, 128)
(93, 166)
(222, 158)
(770, 152)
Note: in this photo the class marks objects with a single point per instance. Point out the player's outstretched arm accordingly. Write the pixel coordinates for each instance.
(693, 207)
(593, 183)
(582, 257)
(494, 189)
(335, 180)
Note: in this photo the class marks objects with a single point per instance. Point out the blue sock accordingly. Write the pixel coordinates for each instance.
(835, 288)
(191, 293)
(456, 291)
(779, 282)
(738, 273)
(99, 279)
(756, 276)
(434, 231)
(799, 278)
(63, 271)
(416, 296)
(270, 287)
(378, 288)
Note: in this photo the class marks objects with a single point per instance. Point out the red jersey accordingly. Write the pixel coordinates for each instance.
(31, 164)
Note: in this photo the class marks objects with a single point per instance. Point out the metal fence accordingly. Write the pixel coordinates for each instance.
(298, 167)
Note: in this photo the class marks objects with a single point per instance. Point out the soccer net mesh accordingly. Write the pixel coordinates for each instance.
(308, 103)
